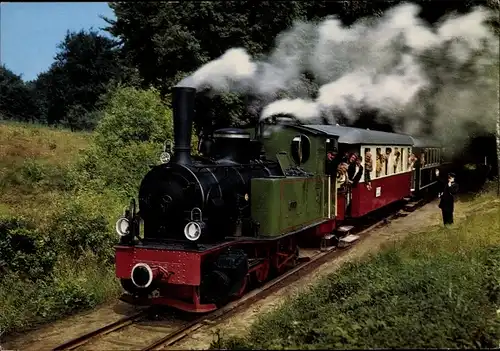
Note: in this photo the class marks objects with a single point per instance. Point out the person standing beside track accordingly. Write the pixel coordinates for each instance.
(447, 199)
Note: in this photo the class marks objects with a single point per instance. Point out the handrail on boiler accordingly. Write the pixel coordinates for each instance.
(329, 198)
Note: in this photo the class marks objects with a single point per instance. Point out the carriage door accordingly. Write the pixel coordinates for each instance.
(331, 147)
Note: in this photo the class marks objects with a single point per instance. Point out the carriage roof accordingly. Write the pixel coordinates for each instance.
(350, 135)
(425, 142)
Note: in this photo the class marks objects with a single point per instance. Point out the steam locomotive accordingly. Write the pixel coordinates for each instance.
(209, 227)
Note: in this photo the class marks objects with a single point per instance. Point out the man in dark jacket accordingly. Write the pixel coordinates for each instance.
(447, 199)
(331, 164)
(355, 171)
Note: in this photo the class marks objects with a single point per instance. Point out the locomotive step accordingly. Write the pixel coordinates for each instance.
(345, 228)
(348, 240)
(306, 254)
(326, 243)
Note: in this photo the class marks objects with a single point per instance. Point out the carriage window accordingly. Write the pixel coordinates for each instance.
(368, 158)
(402, 161)
(301, 149)
(423, 158)
(396, 160)
(379, 162)
(404, 157)
(409, 158)
(388, 152)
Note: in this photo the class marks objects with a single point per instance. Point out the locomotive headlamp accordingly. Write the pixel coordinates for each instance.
(164, 157)
(122, 226)
(192, 230)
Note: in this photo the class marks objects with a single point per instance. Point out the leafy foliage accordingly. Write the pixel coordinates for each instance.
(24, 250)
(17, 99)
(131, 115)
(81, 228)
(128, 140)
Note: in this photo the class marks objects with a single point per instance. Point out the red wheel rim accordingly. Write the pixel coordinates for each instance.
(243, 287)
(263, 273)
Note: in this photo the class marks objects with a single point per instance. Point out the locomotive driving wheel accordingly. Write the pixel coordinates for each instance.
(262, 273)
(243, 287)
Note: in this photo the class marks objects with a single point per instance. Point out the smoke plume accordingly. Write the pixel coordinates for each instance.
(437, 80)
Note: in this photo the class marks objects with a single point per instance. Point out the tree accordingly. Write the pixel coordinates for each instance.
(83, 69)
(17, 99)
(167, 41)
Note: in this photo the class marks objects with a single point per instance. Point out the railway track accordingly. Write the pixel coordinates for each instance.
(171, 332)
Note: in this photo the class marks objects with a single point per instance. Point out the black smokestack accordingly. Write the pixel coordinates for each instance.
(183, 109)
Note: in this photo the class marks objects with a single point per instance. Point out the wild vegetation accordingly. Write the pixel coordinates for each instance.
(61, 190)
(439, 288)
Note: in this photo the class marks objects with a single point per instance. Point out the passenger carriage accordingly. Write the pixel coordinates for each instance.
(429, 157)
(390, 175)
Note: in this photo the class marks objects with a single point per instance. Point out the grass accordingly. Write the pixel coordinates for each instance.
(34, 164)
(435, 289)
(56, 236)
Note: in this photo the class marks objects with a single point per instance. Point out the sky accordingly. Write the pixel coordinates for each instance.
(30, 32)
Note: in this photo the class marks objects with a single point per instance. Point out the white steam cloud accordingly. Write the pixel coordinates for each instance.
(411, 73)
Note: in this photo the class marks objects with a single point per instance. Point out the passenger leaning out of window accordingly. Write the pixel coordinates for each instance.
(355, 171)
(411, 162)
(342, 174)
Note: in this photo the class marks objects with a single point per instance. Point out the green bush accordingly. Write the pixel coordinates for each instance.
(74, 285)
(127, 141)
(131, 115)
(24, 250)
(83, 226)
(121, 171)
